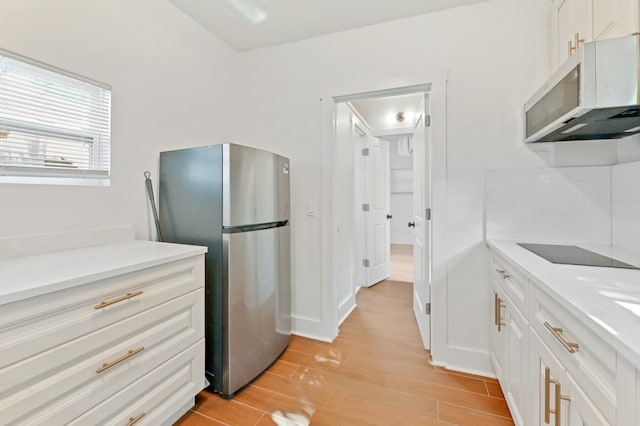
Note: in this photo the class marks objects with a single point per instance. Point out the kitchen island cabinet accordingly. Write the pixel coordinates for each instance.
(110, 334)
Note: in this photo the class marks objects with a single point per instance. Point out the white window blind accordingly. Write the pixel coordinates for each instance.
(52, 123)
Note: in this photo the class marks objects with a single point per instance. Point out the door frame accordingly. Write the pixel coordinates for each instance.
(329, 247)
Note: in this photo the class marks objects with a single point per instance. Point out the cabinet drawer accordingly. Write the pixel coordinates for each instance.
(35, 325)
(58, 385)
(593, 362)
(514, 283)
(157, 395)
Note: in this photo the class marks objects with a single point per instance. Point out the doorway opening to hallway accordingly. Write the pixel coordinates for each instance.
(382, 196)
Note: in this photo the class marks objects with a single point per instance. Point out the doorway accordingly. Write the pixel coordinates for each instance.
(367, 127)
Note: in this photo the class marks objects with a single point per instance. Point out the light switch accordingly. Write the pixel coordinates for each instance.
(312, 207)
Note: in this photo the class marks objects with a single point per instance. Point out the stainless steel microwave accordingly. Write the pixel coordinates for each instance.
(595, 94)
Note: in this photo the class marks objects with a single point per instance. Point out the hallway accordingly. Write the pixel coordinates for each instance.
(375, 373)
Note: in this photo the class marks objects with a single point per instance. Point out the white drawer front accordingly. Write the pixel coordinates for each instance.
(592, 364)
(32, 326)
(33, 392)
(156, 396)
(514, 283)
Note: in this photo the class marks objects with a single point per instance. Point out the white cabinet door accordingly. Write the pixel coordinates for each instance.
(574, 17)
(593, 20)
(581, 410)
(496, 334)
(547, 378)
(509, 351)
(614, 18)
(516, 341)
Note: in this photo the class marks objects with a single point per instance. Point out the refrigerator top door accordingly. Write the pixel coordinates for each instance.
(255, 186)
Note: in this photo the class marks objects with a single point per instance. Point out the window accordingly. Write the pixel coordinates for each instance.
(53, 124)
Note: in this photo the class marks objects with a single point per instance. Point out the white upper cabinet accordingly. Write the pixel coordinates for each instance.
(581, 21)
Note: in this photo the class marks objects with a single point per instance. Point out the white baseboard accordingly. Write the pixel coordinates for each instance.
(311, 336)
(310, 328)
(423, 323)
(467, 361)
(346, 308)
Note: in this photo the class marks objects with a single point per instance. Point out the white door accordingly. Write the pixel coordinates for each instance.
(421, 228)
(377, 217)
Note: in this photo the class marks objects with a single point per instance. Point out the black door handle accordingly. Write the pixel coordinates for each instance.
(411, 224)
(389, 216)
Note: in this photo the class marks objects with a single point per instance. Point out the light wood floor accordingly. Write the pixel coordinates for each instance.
(401, 263)
(375, 373)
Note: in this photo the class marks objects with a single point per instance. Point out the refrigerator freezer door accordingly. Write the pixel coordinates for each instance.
(258, 325)
(255, 186)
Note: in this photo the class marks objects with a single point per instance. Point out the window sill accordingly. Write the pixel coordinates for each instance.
(46, 180)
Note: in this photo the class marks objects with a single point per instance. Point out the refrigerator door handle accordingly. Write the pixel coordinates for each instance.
(255, 227)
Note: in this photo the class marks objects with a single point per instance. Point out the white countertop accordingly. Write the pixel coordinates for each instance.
(607, 300)
(30, 276)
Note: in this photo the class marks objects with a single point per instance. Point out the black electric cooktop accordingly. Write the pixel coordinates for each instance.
(572, 255)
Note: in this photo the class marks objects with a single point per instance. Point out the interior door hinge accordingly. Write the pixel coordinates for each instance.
(365, 263)
(365, 152)
(365, 207)
(427, 214)
(427, 120)
(427, 308)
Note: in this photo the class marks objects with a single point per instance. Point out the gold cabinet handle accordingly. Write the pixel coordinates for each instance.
(578, 44)
(108, 365)
(557, 333)
(119, 299)
(547, 397)
(495, 308)
(557, 411)
(572, 48)
(134, 420)
(499, 307)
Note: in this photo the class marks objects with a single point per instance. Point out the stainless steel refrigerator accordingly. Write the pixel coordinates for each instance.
(234, 200)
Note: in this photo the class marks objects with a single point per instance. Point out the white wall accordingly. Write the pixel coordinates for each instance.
(549, 205)
(496, 54)
(625, 188)
(172, 85)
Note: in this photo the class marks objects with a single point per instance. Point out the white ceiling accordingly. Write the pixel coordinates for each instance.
(375, 111)
(252, 24)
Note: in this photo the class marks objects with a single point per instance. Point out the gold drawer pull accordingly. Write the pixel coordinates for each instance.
(134, 420)
(108, 365)
(119, 299)
(557, 333)
(558, 397)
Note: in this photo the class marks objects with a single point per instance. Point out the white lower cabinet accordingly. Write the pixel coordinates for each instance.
(509, 335)
(581, 411)
(154, 397)
(553, 369)
(127, 349)
(516, 349)
(556, 397)
(547, 380)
